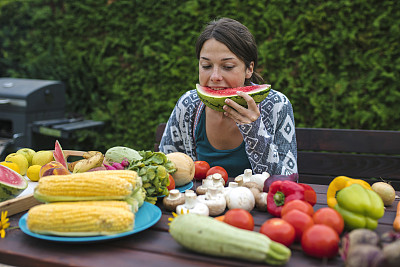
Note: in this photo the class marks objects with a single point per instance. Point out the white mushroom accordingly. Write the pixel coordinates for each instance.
(240, 198)
(191, 205)
(260, 197)
(214, 200)
(248, 176)
(229, 188)
(218, 182)
(239, 180)
(174, 199)
(202, 189)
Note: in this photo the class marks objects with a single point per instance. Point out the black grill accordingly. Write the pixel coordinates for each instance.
(32, 109)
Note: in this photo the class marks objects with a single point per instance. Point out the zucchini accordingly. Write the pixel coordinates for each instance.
(206, 235)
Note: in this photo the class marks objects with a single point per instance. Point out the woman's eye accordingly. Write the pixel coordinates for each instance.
(228, 67)
(206, 67)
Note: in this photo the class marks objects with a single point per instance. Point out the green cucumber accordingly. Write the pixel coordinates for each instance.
(206, 235)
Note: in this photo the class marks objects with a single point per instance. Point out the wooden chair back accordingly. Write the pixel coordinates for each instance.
(324, 154)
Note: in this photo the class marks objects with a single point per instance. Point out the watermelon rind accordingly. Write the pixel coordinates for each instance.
(12, 184)
(58, 154)
(217, 101)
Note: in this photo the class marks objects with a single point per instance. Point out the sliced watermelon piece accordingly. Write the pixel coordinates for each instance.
(11, 183)
(215, 99)
(59, 155)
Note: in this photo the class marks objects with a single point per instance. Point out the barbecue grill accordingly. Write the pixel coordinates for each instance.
(32, 109)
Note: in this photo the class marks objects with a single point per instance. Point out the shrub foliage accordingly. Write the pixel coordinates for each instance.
(127, 62)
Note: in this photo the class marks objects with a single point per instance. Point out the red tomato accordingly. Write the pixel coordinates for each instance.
(239, 218)
(171, 183)
(297, 204)
(330, 217)
(320, 241)
(279, 231)
(220, 170)
(300, 221)
(200, 169)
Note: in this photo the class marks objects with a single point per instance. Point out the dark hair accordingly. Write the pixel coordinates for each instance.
(237, 38)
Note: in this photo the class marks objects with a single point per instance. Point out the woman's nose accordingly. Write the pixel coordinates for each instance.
(216, 75)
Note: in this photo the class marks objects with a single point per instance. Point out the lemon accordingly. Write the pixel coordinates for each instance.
(33, 173)
(42, 157)
(13, 166)
(20, 160)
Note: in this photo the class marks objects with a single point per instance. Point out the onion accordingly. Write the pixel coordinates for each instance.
(385, 191)
(365, 255)
(278, 177)
(391, 253)
(357, 237)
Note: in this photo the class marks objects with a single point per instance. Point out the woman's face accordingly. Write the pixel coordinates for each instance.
(219, 68)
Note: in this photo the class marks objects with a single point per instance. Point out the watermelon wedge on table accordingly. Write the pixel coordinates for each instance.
(215, 99)
(12, 184)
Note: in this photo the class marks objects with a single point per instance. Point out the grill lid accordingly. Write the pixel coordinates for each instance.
(31, 95)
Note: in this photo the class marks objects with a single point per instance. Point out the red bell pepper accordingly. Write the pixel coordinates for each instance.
(282, 192)
(309, 194)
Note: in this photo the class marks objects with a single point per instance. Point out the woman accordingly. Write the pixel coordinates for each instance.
(260, 137)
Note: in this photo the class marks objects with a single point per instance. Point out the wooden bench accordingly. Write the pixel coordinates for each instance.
(324, 154)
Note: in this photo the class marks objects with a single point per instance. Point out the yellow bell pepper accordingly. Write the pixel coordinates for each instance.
(339, 183)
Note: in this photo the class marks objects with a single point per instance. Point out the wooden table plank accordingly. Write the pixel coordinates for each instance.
(152, 247)
(142, 249)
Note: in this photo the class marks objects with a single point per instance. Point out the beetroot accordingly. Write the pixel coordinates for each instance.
(109, 167)
(125, 163)
(294, 177)
(118, 166)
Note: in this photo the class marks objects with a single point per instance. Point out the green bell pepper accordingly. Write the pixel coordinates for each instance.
(359, 207)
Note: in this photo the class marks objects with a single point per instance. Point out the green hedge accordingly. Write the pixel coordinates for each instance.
(127, 62)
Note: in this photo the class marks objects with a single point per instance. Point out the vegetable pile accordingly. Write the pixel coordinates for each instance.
(154, 168)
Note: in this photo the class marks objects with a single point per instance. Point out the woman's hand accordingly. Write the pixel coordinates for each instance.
(239, 114)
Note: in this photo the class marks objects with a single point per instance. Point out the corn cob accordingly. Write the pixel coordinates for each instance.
(79, 219)
(77, 187)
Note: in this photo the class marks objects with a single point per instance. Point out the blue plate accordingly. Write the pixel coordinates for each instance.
(147, 216)
(182, 188)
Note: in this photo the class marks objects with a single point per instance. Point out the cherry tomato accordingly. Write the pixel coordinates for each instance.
(300, 221)
(171, 183)
(279, 231)
(239, 218)
(330, 217)
(320, 241)
(220, 170)
(297, 204)
(200, 169)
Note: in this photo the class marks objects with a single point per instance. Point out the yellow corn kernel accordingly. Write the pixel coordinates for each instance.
(104, 203)
(79, 220)
(76, 187)
(129, 175)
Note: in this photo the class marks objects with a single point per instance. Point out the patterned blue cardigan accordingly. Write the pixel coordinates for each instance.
(270, 141)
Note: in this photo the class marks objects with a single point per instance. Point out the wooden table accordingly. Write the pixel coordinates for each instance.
(152, 247)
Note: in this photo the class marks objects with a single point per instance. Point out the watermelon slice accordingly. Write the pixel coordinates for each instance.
(215, 99)
(11, 183)
(59, 155)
